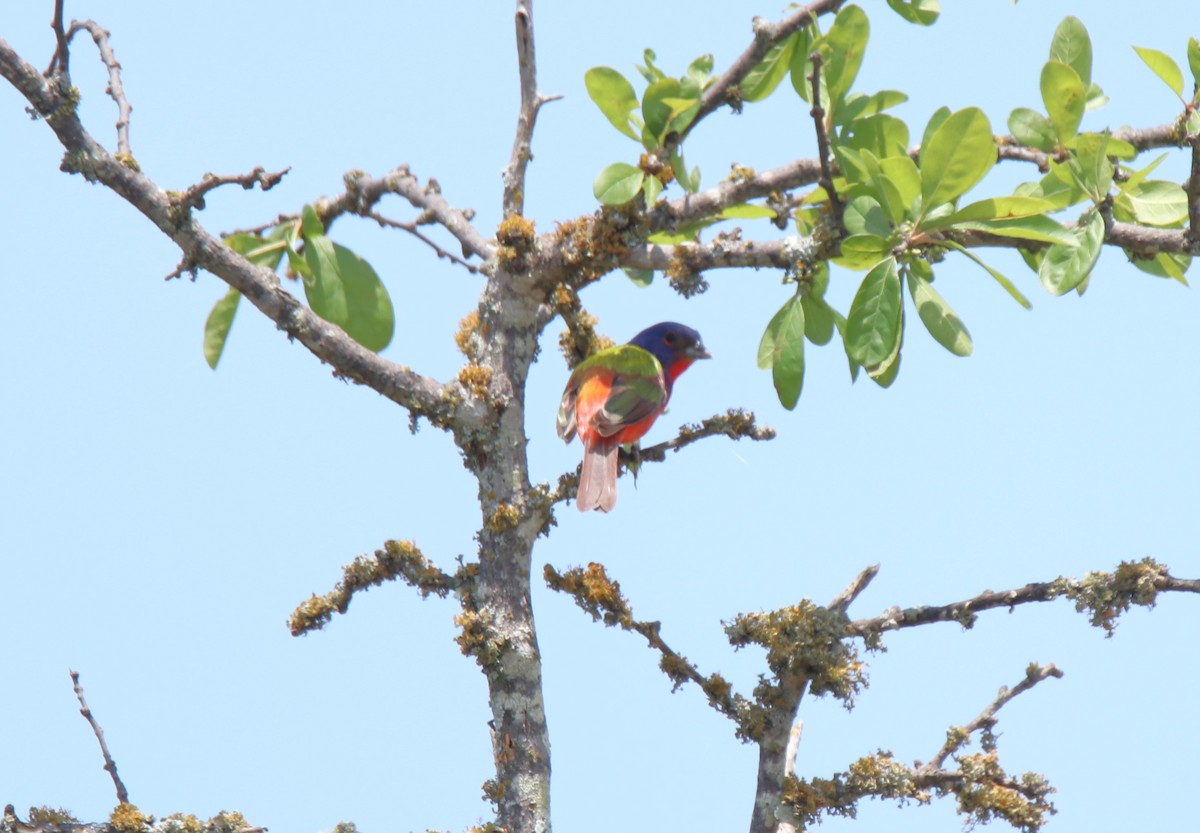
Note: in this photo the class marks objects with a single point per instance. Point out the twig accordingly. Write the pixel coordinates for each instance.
(411, 228)
(397, 559)
(194, 195)
(843, 600)
(109, 763)
(986, 720)
(531, 103)
(598, 595)
(735, 423)
(115, 89)
(823, 150)
(1105, 594)
(62, 53)
(766, 35)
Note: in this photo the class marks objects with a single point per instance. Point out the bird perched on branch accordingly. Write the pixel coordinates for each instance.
(614, 396)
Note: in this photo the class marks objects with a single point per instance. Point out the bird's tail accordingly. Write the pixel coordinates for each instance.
(598, 479)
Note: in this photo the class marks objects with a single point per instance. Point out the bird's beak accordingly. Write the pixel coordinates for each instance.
(697, 351)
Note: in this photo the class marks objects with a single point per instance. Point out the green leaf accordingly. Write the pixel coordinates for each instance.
(1156, 203)
(997, 208)
(1136, 178)
(863, 215)
(1057, 187)
(618, 183)
(1063, 94)
(857, 105)
(1094, 97)
(881, 134)
(640, 277)
(1164, 67)
(873, 325)
(902, 172)
(1008, 285)
(1089, 164)
(921, 12)
(818, 320)
(748, 211)
(846, 42)
(1030, 127)
(650, 72)
(1193, 53)
(885, 190)
(1072, 46)
(614, 95)
(800, 67)
(310, 223)
(651, 187)
(935, 121)
(346, 291)
(1037, 228)
(761, 81)
(959, 154)
(656, 112)
(946, 328)
(700, 69)
(1065, 267)
(862, 251)
(216, 328)
(782, 350)
(1164, 265)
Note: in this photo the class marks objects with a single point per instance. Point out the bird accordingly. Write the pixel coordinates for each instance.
(615, 395)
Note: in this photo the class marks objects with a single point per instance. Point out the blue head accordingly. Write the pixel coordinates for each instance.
(674, 345)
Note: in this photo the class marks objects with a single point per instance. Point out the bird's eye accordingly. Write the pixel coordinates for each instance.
(670, 338)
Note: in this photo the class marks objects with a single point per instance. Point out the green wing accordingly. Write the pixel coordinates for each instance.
(638, 389)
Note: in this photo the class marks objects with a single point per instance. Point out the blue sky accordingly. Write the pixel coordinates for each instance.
(160, 521)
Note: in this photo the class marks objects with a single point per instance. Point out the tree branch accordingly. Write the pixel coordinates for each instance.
(115, 88)
(397, 559)
(412, 228)
(735, 423)
(599, 596)
(193, 197)
(824, 153)
(766, 35)
(62, 52)
(448, 406)
(1104, 595)
(109, 764)
(531, 103)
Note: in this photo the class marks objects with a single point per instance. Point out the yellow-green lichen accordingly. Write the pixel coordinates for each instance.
(181, 823)
(475, 378)
(803, 640)
(126, 818)
(52, 816)
(683, 272)
(503, 517)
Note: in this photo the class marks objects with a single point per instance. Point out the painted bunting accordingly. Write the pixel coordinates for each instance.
(614, 396)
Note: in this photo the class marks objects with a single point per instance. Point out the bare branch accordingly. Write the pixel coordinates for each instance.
(842, 601)
(600, 596)
(62, 52)
(412, 229)
(735, 423)
(957, 737)
(397, 559)
(109, 764)
(531, 103)
(823, 150)
(115, 88)
(1104, 595)
(194, 195)
(449, 405)
(766, 35)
